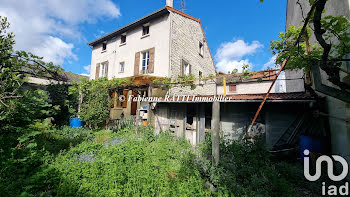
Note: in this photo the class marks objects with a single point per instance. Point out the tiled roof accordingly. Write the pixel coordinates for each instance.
(264, 75)
(157, 13)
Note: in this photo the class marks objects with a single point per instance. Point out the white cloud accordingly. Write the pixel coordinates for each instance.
(228, 66)
(236, 50)
(230, 55)
(271, 64)
(47, 28)
(87, 70)
(54, 50)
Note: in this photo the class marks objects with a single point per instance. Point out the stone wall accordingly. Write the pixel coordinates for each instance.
(185, 37)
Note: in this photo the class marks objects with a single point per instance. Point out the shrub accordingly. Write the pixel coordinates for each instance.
(130, 166)
(245, 169)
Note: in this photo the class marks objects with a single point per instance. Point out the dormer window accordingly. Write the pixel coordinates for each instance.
(201, 49)
(104, 46)
(145, 30)
(123, 38)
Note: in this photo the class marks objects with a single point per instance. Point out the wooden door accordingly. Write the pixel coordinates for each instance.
(133, 104)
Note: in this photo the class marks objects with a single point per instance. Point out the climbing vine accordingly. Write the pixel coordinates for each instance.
(95, 99)
(332, 36)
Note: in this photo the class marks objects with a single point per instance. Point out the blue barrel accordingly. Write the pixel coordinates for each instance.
(75, 122)
(312, 144)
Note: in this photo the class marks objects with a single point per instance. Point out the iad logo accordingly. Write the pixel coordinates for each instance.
(332, 189)
(329, 161)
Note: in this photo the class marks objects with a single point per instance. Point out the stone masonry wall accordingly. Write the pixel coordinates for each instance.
(185, 36)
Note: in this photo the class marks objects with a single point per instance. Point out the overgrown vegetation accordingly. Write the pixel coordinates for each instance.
(247, 169)
(329, 51)
(95, 98)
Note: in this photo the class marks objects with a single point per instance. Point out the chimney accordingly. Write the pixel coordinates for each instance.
(169, 3)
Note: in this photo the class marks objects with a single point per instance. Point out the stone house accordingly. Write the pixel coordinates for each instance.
(164, 44)
(169, 43)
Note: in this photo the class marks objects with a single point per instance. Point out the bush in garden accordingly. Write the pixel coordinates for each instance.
(246, 169)
(96, 100)
(130, 165)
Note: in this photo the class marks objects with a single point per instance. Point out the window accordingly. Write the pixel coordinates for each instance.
(104, 46)
(103, 70)
(121, 67)
(145, 61)
(201, 49)
(145, 30)
(200, 74)
(232, 88)
(123, 38)
(186, 68)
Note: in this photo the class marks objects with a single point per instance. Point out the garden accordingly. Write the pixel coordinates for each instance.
(41, 156)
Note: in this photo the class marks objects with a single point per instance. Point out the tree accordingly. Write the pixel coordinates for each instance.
(332, 36)
(16, 66)
(21, 110)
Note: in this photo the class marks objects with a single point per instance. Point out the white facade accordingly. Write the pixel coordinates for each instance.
(117, 53)
(174, 36)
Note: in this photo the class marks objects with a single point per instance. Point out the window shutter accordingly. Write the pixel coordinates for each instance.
(190, 69)
(137, 63)
(97, 71)
(182, 68)
(151, 60)
(125, 102)
(106, 69)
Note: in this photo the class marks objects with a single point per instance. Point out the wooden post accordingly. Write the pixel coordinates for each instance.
(202, 122)
(216, 132)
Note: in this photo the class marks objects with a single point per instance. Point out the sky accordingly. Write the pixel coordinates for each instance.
(238, 31)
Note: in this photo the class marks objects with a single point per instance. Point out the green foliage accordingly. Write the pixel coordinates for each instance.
(246, 169)
(165, 82)
(336, 33)
(187, 80)
(285, 47)
(95, 94)
(59, 97)
(130, 165)
(26, 171)
(24, 116)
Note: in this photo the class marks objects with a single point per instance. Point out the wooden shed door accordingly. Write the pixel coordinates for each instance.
(133, 104)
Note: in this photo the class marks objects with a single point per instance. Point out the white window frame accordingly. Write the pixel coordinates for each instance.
(121, 67)
(186, 68)
(103, 69)
(144, 59)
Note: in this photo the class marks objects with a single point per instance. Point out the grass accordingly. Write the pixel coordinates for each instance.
(134, 162)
